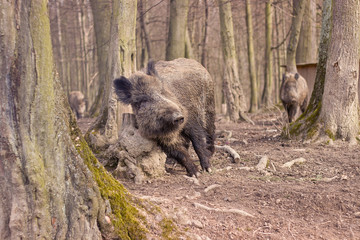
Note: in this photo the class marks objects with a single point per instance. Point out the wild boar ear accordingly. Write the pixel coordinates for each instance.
(123, 89)
(296, 76)
(151, 68)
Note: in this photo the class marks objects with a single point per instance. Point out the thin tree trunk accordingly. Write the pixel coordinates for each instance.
(307, 46)
(177, 29)
(268, 84)
(102, 18)
(232, 88)
(251, 56)
(146, 51)
(299, 9)
(189, 52)
(204, 37)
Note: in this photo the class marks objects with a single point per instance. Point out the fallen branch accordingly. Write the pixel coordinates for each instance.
(231, 151)
(263, 163)
(231, 210)
(295, 161)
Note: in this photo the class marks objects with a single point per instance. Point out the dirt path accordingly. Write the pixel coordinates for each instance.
(317, 199)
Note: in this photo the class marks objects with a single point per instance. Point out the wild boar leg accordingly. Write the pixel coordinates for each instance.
(182, 156)
(199, 139)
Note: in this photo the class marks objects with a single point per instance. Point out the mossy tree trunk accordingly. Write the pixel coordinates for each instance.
(121, 61)
(267, 95)
(101, 10)
(254, 104)
(306, 127)
(232, 89)
(52, 187)
(333, 109)
(299, 9)
(306, 49)
(177, 29)
(339, 110)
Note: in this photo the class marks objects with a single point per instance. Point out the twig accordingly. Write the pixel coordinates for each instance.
(231, 151)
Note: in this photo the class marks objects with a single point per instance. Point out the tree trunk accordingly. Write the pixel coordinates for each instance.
(145, 42)
(340, 100)
(204, 37)
(47, 189)
(307, 127)
(299, 9)
(251, 56)
(268, 84)
(232, 88)
(102, 18)
(177, 29)
(121, 61)
(306, 49)
(334, 114)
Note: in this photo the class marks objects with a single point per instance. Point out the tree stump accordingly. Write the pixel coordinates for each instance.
(135, 157)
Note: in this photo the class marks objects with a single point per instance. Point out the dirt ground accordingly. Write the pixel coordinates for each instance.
(316, 199)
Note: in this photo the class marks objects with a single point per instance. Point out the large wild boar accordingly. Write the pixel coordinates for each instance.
(77, 103)
(173, 103)
(294, 94)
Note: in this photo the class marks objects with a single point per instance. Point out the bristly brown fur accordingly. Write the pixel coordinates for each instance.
(173, 103)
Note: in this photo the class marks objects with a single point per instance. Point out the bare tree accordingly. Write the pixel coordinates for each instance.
(177, 29)
(251, 56)
(306, 49)
(102, 15)
(268, 80)
(299, 9)
(232, 88)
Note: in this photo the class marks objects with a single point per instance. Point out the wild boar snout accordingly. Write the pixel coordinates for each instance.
(178, 118)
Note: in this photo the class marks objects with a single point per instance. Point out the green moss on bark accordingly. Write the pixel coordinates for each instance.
(128, 222)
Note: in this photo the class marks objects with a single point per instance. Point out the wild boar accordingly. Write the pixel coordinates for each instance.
(77, 103)
(173, 103)
(294, 94)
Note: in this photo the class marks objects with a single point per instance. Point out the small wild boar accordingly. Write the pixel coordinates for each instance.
(173, 103)
(77, 103)
(294, 94)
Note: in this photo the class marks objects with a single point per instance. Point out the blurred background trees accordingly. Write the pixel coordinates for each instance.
(80, 32)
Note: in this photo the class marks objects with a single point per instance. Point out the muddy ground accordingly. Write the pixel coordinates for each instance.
(316, 199)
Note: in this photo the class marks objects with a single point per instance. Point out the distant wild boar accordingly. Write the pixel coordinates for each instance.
(294, 94)
(173, 103)
(77, 103)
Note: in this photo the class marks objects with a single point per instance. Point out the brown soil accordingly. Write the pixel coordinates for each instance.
(317, 199)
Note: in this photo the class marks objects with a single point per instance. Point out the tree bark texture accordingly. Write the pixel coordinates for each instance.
(340, 100)
(232, 88)
(251, 56)
(102, 19)
(299, 9)
(46, 188)
(177, 29)
(268, 84)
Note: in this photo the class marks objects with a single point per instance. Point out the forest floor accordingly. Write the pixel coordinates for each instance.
(316, 199)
